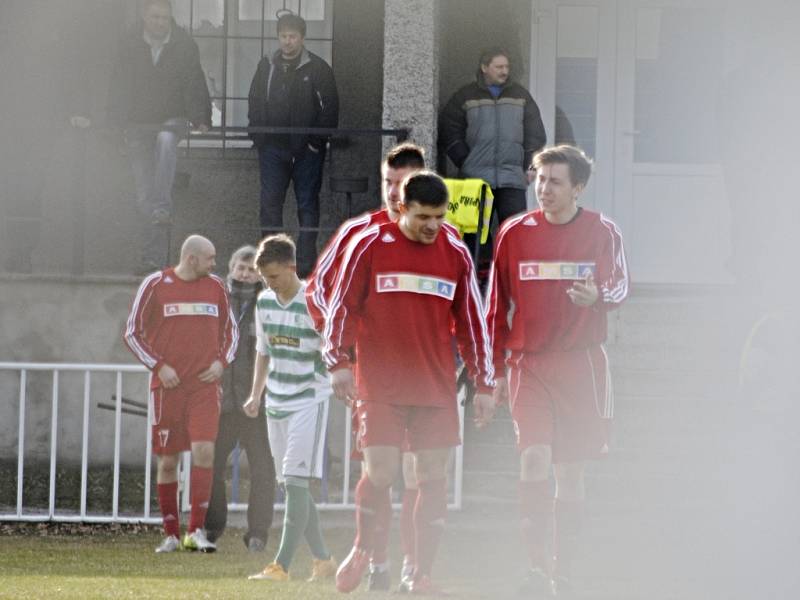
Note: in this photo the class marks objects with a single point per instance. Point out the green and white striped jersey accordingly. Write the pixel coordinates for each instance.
(296, 376)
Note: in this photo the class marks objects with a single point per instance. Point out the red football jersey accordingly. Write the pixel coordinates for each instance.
(395, 300)
(185, 324)
(321, 281)
(535, 263)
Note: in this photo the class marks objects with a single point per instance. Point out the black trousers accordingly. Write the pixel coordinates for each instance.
(251, 434)
(507, 203)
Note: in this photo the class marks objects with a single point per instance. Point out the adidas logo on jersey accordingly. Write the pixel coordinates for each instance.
(530, 221)
(387, 237)
(168, 279)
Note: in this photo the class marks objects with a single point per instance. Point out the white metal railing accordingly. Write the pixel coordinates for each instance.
(20, 514)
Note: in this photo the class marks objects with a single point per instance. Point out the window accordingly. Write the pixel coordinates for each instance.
(233, 35)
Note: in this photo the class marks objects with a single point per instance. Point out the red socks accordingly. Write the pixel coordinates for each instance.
(200, 494)
(536, 513)
(168, 502)
(429, 518)
(370, 503)
(569, 522)
(407, 537)
(380, 538)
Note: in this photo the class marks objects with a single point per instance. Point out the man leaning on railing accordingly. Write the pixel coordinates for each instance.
(157, 80)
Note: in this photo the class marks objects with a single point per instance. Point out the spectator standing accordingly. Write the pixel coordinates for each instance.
(157, 80)
(491, 128)
(294, 89)
(235, 427)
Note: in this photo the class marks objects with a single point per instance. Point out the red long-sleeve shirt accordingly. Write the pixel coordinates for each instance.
(535, 263)
(394, 300)
(185, 324)
(322, 280)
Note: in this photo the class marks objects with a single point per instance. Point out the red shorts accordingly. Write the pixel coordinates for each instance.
(562, 400)
(355, 451)
(409, 428)
(183, 415)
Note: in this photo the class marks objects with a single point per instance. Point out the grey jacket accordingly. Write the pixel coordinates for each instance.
(493, 139)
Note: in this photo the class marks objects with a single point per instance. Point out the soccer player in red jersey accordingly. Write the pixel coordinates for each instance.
(400, 161)
(557, 271)
(400, 287)
(181, 328)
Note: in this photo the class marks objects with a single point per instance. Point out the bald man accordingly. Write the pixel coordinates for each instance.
(181, 328)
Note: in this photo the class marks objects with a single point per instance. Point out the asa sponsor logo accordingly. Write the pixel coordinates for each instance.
(416, 284)
(176, 309)
(554, 271)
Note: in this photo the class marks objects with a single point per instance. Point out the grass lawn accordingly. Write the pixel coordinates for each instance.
(39, 563)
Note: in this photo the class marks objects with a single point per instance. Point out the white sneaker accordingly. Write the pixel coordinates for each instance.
(197, 541)
(407, 572)
(169, 544)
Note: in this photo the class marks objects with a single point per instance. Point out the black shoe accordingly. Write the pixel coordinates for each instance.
(255, 544)
(212, 535)
(379, 581)
(537, 584)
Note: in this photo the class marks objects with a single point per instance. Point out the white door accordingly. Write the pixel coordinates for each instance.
(638, 83)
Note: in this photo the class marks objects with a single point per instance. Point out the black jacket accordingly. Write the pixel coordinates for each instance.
(173, 88)
(238, 377)
(312, 98)
(491, 138)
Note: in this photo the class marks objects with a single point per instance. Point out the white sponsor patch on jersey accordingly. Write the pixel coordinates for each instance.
(549, 270)
(416, 284)
(177, 309)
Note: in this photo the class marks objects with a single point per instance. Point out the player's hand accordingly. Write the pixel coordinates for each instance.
(251, 406)
(500, 395)
(168, 376)
(484, 409)
(344, 385)
(212, 373)
(583, 293)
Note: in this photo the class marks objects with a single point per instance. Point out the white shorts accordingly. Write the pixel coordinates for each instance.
(298, 442)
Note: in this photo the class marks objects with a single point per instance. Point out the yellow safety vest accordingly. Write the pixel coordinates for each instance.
(462, 209)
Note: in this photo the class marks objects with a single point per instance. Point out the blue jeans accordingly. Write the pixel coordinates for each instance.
(278, 166)
(154, 156)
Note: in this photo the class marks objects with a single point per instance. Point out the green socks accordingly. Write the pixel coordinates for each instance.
(300, 520)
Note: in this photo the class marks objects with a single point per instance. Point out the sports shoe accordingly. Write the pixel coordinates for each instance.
(422, 586)
(537, 584)
(322, 569)
(169, 544)
(379, 580)
(349, 574)
(272, 572)
(561, 586)
(197, 541)
(255, 544)
(407, 572)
